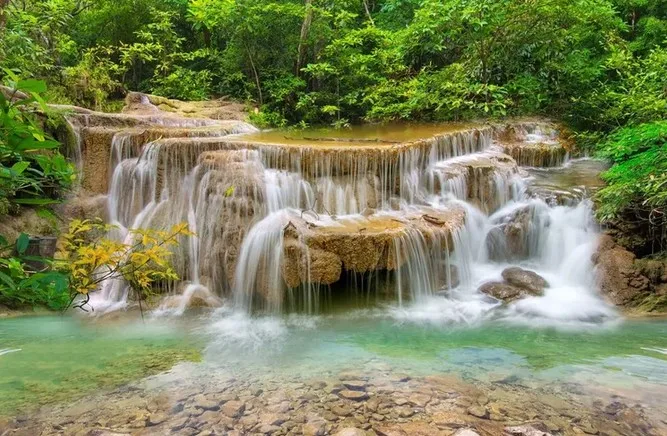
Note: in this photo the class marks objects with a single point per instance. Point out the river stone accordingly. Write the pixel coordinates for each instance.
(401, 401)
(353, 395)
(341, 410)
(179, 424)
(420, 400)
(350, 431)
(351, 375)
(502, 291)
(233, 409)
(103, 432)
(528, 430)
(525, 279)
(314, 427)
(268, 429)
(272, 419)
(466, 432)
(355, 385)
(448, 419)
(156, 419)
(478, 411)
(201, 402)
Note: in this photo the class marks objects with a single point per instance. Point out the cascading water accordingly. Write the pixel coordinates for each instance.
(243, 198)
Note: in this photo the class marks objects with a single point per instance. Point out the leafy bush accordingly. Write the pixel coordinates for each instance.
(184, 84)
(20, 286)
(638, 180)
(88, 258)
(32, 170)
(93, 79)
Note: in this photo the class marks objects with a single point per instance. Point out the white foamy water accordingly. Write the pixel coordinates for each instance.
(240, 203)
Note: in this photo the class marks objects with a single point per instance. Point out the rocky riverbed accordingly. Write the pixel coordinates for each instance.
(341, 375)
(372, 400)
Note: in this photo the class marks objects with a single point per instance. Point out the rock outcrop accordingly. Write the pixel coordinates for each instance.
(619, 279)
(316, 253)
(533, 144)
(510, 238)
(482, 178)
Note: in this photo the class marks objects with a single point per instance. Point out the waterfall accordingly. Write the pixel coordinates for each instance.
(281, 223)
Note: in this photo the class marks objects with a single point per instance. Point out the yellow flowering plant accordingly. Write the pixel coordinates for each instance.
(89, 258)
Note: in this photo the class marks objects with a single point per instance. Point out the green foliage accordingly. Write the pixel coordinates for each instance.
(597, 64)
(638, 179)
(92, 79)
(20, 286)
(32, 170)
(184, 84)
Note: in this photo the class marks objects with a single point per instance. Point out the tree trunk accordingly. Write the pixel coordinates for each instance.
(305, 29)
(368, 13)
(4, 4)
(256, 74)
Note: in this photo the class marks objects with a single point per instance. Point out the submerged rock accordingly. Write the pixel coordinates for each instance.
(466, 432)
(350, 431)
(530, 281)
(537, 429)
(353, 395)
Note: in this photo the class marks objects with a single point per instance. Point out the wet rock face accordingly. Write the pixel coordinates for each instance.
(509, 240)
(320, 254)
(530, 281)
(537, 155)
(618, 278)
(502, 291)
(519, 283)
(533, 144)
(482, 178)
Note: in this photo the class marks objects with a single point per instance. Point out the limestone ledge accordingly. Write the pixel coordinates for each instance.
(319, 254)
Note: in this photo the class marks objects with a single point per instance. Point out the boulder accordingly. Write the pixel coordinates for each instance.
(530, 281)
(502, 291)
(618, 278)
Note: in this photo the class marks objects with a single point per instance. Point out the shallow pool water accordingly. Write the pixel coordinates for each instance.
(49, 359)
(56, 359)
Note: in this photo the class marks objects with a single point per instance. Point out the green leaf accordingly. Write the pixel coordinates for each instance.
(31, 85)
(46, 214)
(22, 243)
(19, 167)
(35, 201)
(8, 281)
